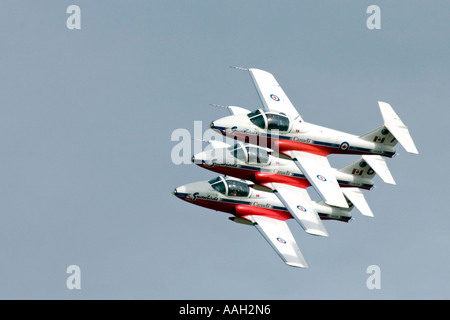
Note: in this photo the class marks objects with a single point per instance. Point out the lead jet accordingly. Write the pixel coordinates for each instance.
(258, 208)
(285, 179)
(281, 127)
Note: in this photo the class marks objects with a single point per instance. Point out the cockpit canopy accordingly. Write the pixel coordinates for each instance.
(269, 120)
(230, 187)
(249, 153)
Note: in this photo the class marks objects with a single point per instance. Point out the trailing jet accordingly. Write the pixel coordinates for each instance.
(284, 178)
(281, 127)
(261, 209)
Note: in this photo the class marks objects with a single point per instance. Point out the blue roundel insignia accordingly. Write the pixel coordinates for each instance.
(281, 240)
(321, 178)
(301, 208)
(274, 97)
(344, 146)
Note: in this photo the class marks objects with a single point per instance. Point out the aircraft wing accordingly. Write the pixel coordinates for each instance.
(318, 171)
(271, 94)
(232, 109)
(238, 110)
(277, 233)
(301, 207)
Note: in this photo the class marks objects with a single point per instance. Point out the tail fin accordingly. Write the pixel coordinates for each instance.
(363, 170)
(355, 199)
(380, 135)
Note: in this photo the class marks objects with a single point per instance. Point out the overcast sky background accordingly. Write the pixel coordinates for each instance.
(86, 118)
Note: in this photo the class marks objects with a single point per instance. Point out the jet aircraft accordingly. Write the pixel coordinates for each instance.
(258, 208)
(279, 125)
(284, 178)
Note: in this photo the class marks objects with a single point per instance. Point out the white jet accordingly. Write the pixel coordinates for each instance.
(279, 126)
(262, 209)
(286, 180)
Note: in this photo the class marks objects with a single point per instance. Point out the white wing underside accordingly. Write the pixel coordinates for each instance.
(319, 173)
(271, 94)
(301, 207)
(278, 235)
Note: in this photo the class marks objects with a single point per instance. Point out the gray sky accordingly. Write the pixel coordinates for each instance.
(86, 118)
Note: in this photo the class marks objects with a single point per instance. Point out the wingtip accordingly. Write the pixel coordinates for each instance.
(298, 265)
(315, 232)
(368, 214)
(340, 204)
(239, 68)
(388, 180)
(383, 104)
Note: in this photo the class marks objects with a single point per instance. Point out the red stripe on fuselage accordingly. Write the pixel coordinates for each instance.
(284, 145)
(245, 174)
(240, 210)
(289, 145)
(261, 177)
(258, 177)
(267, 177)
(246, 210)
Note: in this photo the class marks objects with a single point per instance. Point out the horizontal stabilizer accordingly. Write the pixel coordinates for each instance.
(396, 127)
(378, 164)
(356, 196)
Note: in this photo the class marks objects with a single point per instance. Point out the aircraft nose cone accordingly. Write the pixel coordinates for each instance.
(211, 125)
(180, 191)
(199, 158)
